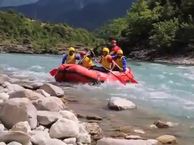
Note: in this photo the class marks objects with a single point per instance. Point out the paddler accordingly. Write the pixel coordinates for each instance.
(71, 57)
(115, 48)
(120, 62)
(87, 60)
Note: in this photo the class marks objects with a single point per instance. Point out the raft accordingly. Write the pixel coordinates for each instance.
(74, 73)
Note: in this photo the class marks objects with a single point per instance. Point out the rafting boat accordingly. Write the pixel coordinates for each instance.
(74, 73)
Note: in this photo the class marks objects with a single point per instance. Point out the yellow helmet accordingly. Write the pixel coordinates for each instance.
(71, 49)
(120, 52)
(105, 49)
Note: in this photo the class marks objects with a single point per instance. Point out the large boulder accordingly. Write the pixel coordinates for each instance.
(116, 103)
(9, 136)
(49, 104)
(64, 128)
(17, 110)
(47, 117)
(4, 96)
(2, 143)
(83, 137)
(22, 126)
(52, 90)
(68, 115)
(71, 141)
(167, 139)
(111, 141)
(12, 87)
(31, 95)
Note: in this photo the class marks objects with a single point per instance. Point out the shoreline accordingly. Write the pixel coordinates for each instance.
(116, 124)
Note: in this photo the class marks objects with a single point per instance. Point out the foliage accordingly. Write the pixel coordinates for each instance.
(163, 25)
(43, 37)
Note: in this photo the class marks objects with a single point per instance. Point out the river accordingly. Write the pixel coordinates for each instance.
(167, 90)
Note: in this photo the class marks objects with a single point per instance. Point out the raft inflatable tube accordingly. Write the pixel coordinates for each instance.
(74, 73)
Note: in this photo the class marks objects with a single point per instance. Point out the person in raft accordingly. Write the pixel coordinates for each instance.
(71, 57)
(120, 62)
(87, 59)
(105, 61)
(115, 48)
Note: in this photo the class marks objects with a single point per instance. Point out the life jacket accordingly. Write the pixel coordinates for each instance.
(71, 59)
(119, 62)
(106, 62)
(87, 62)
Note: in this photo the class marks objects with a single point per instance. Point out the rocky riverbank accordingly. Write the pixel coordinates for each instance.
(43, 114)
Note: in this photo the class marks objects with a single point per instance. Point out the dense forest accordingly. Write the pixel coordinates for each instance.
(162, 27)
(38, 36)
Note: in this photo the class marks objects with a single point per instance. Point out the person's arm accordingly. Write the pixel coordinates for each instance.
(124, 62)
(64, 58)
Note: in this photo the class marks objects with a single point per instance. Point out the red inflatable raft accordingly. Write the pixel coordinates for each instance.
(77, 74)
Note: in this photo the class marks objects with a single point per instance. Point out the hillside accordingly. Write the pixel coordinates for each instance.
(155, 28)
(88, 14)
(21, 34)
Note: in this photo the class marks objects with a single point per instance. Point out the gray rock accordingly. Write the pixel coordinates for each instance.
(21, 126)
(4, 78)
(52, 90)
(12, 87)
(116, 103)
(14, 143)
(21, 109)
(47, 117)
(31, 95)
(68, 115)
(4, 96)
(2, 143)
(64, 128)
(43, 138)
(2, 127)
(9, 136)
(49, 104)
(111, 141)
(42, 92)
(70, 141)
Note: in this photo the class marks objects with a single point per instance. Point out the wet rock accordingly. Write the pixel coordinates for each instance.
(71, 141)
(9, 136)
(47, 117)
(94, 130)
(31, 95)
(139, 131)
(21, 126)
(64, 128)
(93, 117)
(161, 124)
(49, 104)
(68, 115)
(133, 137)
(17, 110)
(116, 103)
(111, 141)
(167, 139)
(12, 87)
(14, 143)
(52, 90)
(4, 96)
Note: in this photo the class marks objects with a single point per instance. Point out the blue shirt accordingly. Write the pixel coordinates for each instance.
(124, 62)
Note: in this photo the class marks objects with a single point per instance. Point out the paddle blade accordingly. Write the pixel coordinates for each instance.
(53, 72)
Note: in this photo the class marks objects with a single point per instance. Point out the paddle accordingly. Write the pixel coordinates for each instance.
(131, 78)
(53, 72)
